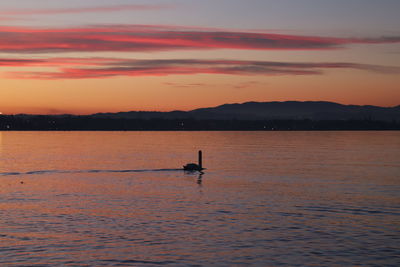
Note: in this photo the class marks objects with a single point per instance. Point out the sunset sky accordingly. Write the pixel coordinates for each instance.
(83, 57)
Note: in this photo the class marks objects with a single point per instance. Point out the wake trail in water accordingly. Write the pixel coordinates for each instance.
(83, 171)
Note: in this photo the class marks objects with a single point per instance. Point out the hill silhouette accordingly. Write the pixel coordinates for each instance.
(249, 116)
(293, 110)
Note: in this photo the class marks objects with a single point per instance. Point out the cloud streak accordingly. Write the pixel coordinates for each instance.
(55, 11)
(150, 38)
(245, 85)
(185, 85)
(97, 68)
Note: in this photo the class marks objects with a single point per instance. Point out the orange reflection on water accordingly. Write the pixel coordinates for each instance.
(263, 195)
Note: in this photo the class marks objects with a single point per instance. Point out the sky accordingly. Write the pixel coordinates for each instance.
(84, 57)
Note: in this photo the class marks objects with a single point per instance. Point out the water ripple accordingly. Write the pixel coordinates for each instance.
(83, 171)
(139, 262)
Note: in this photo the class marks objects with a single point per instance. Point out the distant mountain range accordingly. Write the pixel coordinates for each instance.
(289, 110)
(250, 116)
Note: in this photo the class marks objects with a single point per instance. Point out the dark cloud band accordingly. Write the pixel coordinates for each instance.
(73, 68)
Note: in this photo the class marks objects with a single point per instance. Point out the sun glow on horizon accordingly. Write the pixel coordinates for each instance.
(163, 61)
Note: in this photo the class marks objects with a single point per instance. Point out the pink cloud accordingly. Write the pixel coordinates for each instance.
(54, 62)
(145, 38)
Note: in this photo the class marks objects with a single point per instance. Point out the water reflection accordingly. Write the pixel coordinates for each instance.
(267, 199)
(1, 143)
(200, 179)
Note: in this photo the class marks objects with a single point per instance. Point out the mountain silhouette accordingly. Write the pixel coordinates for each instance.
(292, 110)
(249, 116)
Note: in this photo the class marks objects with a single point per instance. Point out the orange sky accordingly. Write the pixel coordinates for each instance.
(71, 60)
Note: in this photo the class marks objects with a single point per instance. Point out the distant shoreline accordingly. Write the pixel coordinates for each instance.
(88, 123)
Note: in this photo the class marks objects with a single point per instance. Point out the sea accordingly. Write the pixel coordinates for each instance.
(265, 199)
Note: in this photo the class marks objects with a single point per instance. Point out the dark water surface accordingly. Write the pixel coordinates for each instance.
(266, 199)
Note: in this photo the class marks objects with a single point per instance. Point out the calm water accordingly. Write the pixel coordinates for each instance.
(266, 199)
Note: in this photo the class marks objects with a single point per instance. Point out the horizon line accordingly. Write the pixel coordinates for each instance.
(180, 110)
